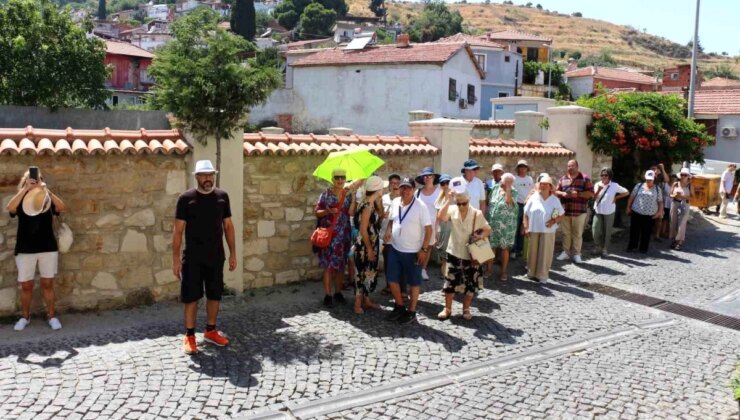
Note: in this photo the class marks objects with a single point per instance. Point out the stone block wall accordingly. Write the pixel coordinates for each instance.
(555, 166)
(279, 196)
(485, 132)
(121, 211)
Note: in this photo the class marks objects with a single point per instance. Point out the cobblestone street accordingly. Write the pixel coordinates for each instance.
(554, 350)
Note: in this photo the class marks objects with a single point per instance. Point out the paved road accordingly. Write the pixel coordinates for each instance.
(287, 349)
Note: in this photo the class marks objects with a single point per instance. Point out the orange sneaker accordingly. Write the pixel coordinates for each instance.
(188, 345)
(216, 337)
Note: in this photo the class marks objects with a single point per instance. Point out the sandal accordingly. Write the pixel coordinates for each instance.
(445, 314)
(467, 315)
(677, 247)
(358, 311)
(504, 277)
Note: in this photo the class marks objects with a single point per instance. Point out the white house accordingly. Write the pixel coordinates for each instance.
(719, 110)
(157, 11)
(373, 89)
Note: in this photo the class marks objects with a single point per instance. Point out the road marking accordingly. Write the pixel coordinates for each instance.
(463, 373)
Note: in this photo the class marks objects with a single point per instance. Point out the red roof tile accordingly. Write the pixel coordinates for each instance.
(256, 144)
(124, 48)
(493, 123)
(717, 101)
(472, 40)
(40, 141)
(719, 82)
(514, 35)
(612, 74)
(499, 147)
(384, 54)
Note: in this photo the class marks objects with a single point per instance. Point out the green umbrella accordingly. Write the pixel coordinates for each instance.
(359, 164)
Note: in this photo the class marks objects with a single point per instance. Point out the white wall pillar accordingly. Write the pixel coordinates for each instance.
(451, 137)
(232, 181)
(528, 125)
(568, 127)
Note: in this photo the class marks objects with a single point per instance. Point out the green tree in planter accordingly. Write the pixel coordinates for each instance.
(202, 78)
(316, 20)
(640, 128)
(47, 60)
(243, 19)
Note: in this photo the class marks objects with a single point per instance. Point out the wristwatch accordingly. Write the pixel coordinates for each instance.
(425, 250)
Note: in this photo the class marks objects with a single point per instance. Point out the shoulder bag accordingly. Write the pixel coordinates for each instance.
(322, 236)
(480, 250)
(63, 234)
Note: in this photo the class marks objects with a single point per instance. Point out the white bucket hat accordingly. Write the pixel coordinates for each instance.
(204, 167)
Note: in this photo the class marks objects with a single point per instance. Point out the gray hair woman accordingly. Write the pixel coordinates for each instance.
(502, 213)
(35, 243)
(542, 213)
(464, 275)
(681, 193)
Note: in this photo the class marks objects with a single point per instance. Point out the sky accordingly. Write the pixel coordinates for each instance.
(719, 20)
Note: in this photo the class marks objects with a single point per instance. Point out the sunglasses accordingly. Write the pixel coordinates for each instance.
(338, 177)
(462, 204)
(444, 183)
(684, 175)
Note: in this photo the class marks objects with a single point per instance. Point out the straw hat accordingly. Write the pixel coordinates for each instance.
(36, 201)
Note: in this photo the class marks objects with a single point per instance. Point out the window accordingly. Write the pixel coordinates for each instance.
(674, 76)
(481, 59)
(532, 54)
(503, 94)
(507, 59)
(452, 90)
(471, 95)
(115, 100)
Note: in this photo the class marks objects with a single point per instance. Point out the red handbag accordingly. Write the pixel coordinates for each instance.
(322, 236)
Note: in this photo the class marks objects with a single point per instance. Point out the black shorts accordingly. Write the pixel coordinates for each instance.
(199, 276)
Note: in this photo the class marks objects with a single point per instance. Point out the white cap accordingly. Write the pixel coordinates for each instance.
(497, 167)
(204, 167)
(459, 185)
(374, 183)
(650, 175)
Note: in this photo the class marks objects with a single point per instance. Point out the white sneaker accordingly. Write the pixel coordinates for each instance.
(424, 274)
(21, 324)
(563, 256)
(512, 255)
(543, 281)
(604, 253)
(577, 259)
(55, 324)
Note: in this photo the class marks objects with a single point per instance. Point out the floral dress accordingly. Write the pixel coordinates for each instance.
(366, 278)
(502, 217)
(334, 257)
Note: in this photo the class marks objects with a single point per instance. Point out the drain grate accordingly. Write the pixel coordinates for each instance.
(661, 304)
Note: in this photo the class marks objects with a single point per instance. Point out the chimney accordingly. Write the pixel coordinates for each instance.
(572, 64)
(340, 131)
(285, 121)
(402, 41)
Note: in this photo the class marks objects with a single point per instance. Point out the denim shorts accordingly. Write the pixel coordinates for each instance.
(403, 265)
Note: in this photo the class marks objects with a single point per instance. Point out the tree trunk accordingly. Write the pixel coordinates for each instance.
(218, 162)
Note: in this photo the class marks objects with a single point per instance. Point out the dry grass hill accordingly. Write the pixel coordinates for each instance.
(627, 45)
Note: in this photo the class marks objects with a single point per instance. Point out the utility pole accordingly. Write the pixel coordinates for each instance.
(549, 72)
(694, 53)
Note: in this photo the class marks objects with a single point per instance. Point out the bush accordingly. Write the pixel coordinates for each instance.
(576, 55)
(603, 59)
(577, 14)
(531, 68)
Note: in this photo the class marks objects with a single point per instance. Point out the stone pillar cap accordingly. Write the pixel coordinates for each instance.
(340, 131)
(273, 130)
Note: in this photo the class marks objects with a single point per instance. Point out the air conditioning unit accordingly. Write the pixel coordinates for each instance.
(463, 103)
(728, 131)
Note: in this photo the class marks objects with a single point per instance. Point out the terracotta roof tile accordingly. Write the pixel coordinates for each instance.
(124, 48)
(492, 123)
(90, 142)
(717, 101)
(612, 74)
(500, 147)
(257, 144)
(384, 54)
(514, 35)
(472, 40)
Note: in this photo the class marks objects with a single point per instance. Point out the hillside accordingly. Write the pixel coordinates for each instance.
(589, 36)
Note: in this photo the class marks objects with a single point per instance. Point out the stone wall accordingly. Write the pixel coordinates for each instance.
(555, 166)
(485, 132)
(121, 210)
(279, 197)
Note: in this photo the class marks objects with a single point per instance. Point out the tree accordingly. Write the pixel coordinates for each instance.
(243, 19)
(577, 14)
(317, 20)
(721, 70)
(101, 10)
(576, 55)
(289, 12)
(699, 47)
(262, 21)
(201, 77)
(603, 59)
(435, 21)
(377, 7)
(539, 6)
(639, 128)
(47, 59)
(288, 19)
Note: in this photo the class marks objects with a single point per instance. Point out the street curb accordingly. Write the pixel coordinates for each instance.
(427, 381)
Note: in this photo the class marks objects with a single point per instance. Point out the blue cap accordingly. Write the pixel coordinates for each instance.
(445, 178)
(470, 164)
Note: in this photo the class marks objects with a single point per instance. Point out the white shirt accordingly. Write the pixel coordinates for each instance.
(604, 202)
(429, 201)
(523, 185)
(728, 179)
(387, 202)
(477, 192)
(408, 235)
(539, 212)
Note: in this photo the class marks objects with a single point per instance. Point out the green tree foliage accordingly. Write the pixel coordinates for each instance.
(435, 21)
(290, 12)
(377, 7)
(48, 60)
(201, 77)
(699, 47)
(531, 68)
(262, 21)
(288, 19)
(101, 10)
(602, 59)
(721, 70)
(317, 20)
(645, 127)
(576, 55)
(243, 19)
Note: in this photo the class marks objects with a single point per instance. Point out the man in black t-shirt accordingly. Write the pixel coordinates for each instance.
(204, 215)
